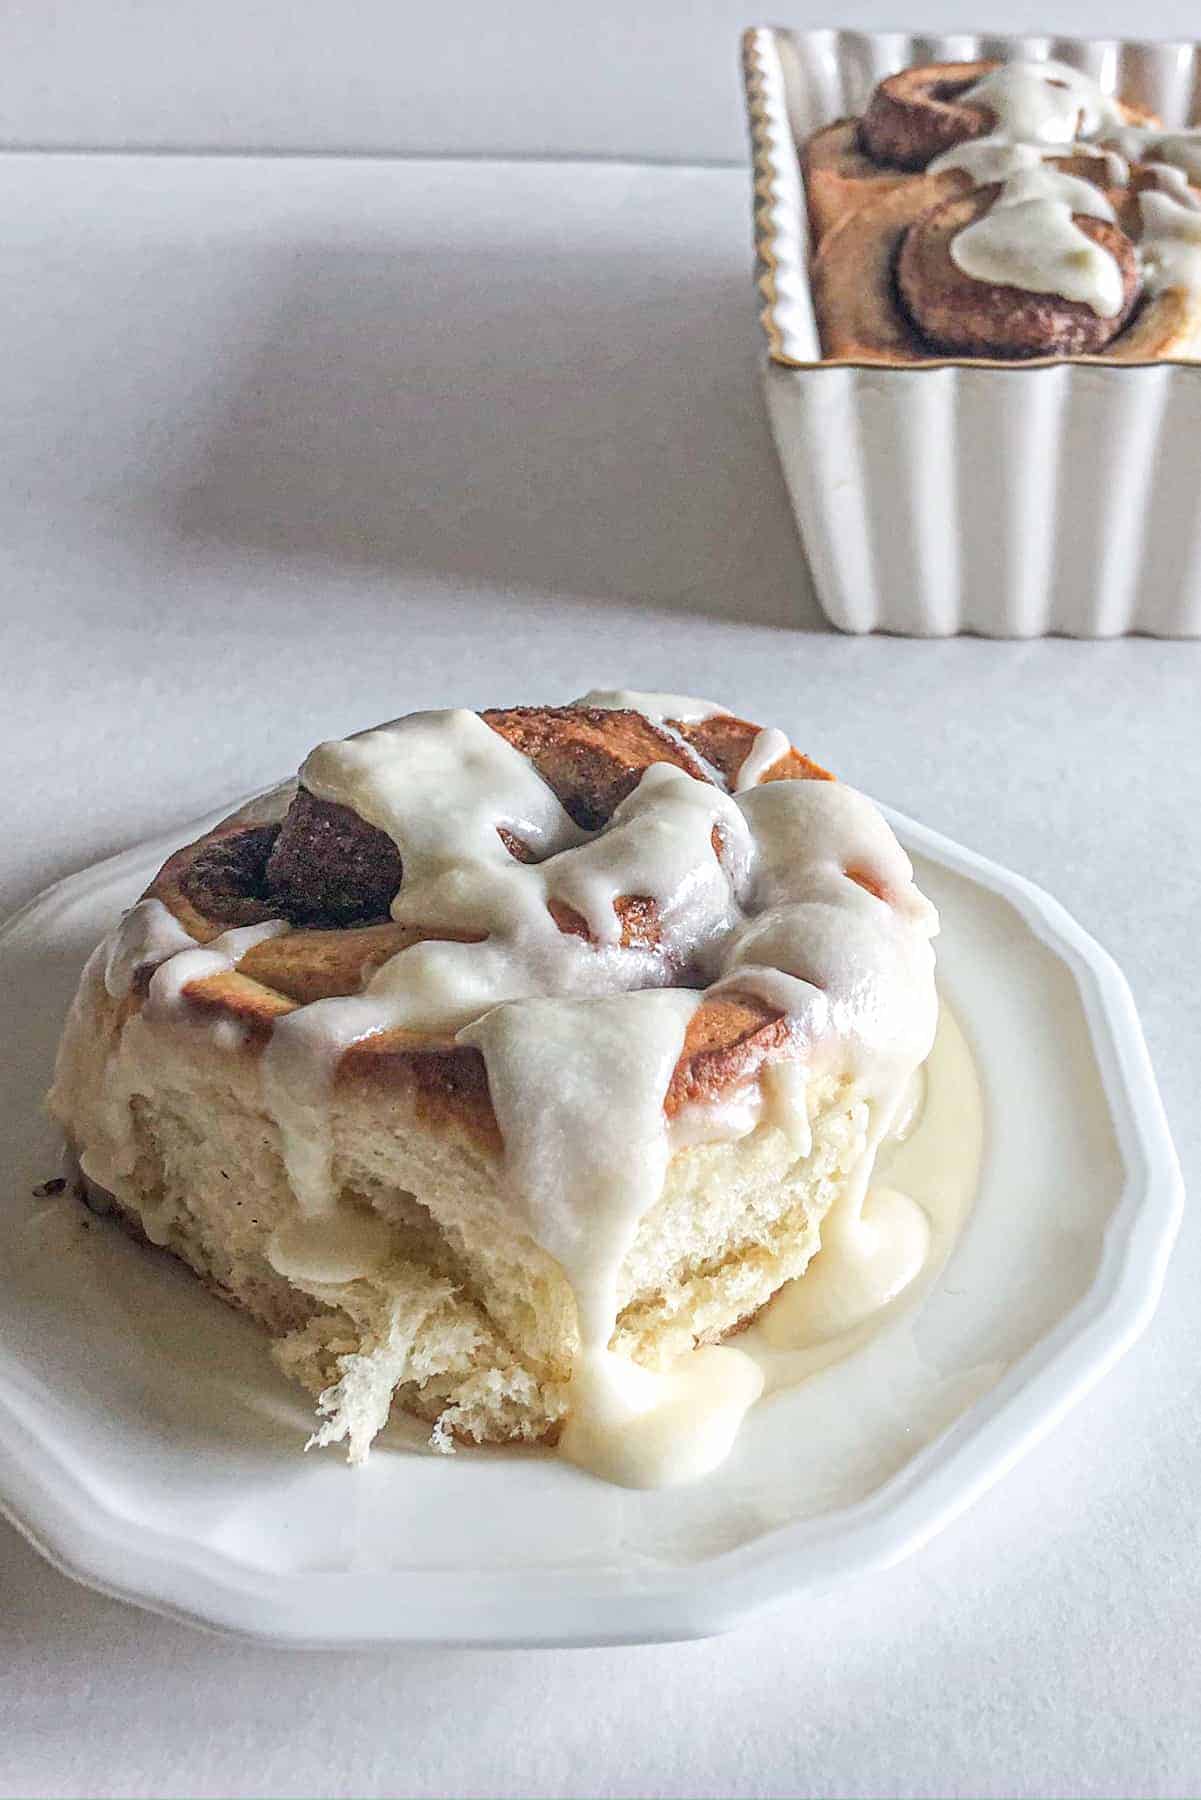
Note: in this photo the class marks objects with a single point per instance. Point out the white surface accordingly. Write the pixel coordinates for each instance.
(147, 1442)
(542, 77)
(961, 497)
(195, 593)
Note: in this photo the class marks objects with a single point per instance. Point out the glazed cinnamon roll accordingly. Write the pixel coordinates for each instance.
(505, 1058)
(1043, 263)
(919, 114)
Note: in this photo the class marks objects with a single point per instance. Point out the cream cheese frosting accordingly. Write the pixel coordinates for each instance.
(1150, 144)
(1029, 239)
(1045, 102)
(1171, 242)
(996, 158)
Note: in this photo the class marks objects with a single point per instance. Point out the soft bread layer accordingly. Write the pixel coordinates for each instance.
(467, 1325)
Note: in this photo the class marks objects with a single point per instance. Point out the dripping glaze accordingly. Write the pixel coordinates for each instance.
(1029, 239)
(892, 1247)
(1044, 103)
(580, 1036)
(996, 158)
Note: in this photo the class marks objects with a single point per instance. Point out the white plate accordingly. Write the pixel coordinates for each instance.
(148, 1447)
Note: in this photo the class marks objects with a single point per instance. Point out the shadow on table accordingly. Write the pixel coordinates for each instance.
(570, 424)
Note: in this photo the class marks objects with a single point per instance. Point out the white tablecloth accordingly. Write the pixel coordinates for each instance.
(291, 446)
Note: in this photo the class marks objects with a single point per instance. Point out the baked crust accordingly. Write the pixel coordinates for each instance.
(840, 176)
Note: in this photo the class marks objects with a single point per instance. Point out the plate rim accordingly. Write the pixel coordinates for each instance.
(202, 1586)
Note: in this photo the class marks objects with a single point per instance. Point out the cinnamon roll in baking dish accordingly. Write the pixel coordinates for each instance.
(918, 115)
(1023, 214)
(508, 1057)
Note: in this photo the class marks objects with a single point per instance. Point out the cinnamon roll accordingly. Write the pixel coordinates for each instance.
(507, 1057)
(1040, 263)
(918, 115)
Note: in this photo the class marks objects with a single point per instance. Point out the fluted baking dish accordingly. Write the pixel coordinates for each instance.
(1010, 499)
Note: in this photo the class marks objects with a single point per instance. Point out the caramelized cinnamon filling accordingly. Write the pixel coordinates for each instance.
(226, 879)
(916, 114)
(329, 867)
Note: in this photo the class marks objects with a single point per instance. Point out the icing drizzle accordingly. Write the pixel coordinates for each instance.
(1148, 144)
(996, 158)
(1171, 243)
(1045, 102)
(1029, 239)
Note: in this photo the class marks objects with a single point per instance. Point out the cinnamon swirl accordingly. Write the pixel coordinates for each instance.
(506, 1058)
(919, 114)
(1039, 263)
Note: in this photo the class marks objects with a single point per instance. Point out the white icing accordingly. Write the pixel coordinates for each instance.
(1175, 183)
(869, 1261)
(1143, 144)
(297, 1071)
(199, 962)
(769, 746)
(910, 1108)
(458, 872)
(785, 1096)
(656, 707)
(442, 785)
(1170, 247)
(1044, 102)
(578, 1187)
(1026, 186)
(996, 158)
(148, 935)
(1029, 239)
(658, 843)
(641, 1429)
(579, 1035)
(873, 1246)
(808, 833)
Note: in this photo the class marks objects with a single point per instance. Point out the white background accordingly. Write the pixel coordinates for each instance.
(634, 78)
(294, 444)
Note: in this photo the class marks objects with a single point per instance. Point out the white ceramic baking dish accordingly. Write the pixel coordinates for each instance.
(1008, 499)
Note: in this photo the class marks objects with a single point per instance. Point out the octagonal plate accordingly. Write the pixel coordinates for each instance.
(149, 1448)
